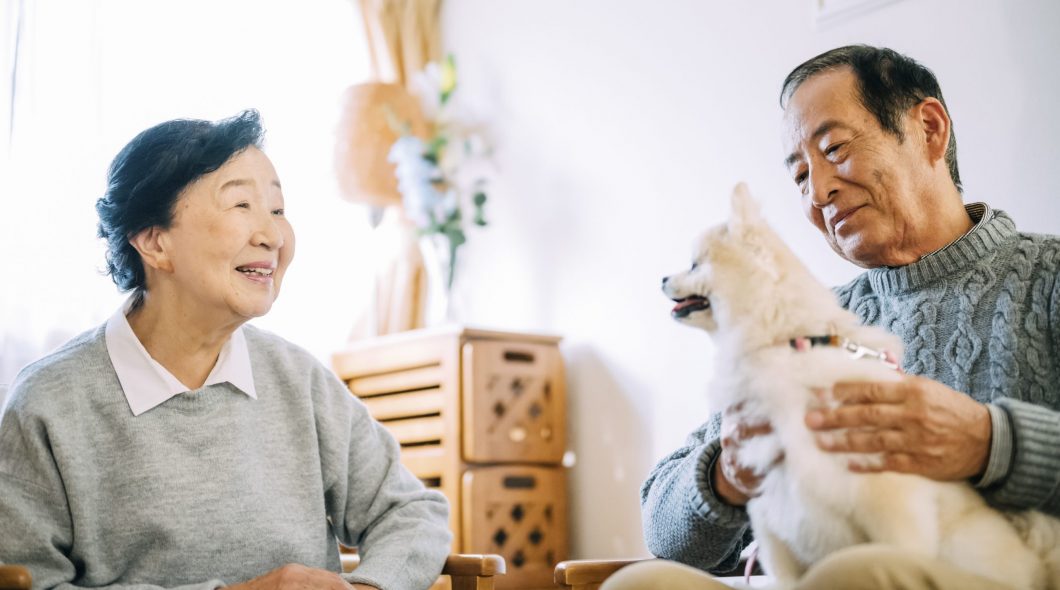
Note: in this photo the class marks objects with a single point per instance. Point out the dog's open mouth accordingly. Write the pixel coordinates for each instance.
(688, 305)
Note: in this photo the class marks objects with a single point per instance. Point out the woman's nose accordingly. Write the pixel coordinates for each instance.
(268, 234)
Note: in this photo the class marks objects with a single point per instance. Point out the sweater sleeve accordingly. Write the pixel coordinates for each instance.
(34, 511)
(1033, 479)
(399, 527)
(684, 520)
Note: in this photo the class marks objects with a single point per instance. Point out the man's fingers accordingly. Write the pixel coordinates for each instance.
(874, 415)
(899, 462)
(862, 441)
(869, 392)
(735, 433)
(745, 431)
(735, 408)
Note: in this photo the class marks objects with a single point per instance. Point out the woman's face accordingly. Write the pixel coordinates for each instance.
(230, 244)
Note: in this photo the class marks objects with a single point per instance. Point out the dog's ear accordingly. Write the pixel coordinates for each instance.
(745, 211)
(750, 229)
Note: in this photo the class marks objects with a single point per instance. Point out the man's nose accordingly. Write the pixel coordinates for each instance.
(823, 186)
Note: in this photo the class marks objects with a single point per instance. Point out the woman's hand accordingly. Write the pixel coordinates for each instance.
(299, 577)
(735, 483)
(917, 425)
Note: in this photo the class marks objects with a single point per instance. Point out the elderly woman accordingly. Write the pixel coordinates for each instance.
(176, 446)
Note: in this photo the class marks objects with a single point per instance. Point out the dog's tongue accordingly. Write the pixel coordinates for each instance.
(688, 303)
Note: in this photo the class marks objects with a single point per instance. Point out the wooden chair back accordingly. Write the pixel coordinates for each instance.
(15, 577)
(465, 572)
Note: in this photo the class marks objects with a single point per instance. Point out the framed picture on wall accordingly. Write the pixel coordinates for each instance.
(829, 12)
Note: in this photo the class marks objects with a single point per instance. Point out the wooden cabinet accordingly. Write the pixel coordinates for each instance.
(480, 416)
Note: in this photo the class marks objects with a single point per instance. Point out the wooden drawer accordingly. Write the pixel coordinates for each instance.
(514, 403)
(519, 512)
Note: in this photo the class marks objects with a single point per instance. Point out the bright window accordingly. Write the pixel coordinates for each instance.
(92, 73)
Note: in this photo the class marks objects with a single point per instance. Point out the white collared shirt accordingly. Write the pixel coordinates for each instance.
(979, 213)
(147, 384)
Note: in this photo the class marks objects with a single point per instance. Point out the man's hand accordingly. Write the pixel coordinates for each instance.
(736, 483)
(299, 577)
(918, 425)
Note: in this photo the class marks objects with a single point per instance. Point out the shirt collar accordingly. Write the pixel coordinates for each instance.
(979, 213)
(148, 384)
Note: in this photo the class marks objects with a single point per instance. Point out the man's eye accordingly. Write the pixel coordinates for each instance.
(832, 149)
(278, 212)
(243, 205)
(800, 178)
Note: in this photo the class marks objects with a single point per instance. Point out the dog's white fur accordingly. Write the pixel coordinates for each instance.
(811, 505)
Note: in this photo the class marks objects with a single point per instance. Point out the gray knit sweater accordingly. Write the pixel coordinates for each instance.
(981, 316)
(211, 487)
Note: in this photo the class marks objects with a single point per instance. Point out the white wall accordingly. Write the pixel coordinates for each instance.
(622, 125)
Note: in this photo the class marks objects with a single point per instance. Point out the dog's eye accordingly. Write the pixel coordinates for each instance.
(694, 265)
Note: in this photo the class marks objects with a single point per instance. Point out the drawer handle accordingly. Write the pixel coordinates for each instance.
(516, 356)
(525, 482)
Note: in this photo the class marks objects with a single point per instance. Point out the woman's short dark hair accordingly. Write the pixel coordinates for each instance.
(149, 174)
(889, 84)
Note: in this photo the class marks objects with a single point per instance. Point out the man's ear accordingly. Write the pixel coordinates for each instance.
(151, 245)
(745, 211)
(933, 122)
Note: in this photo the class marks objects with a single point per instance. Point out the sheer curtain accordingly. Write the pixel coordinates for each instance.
(92, 73)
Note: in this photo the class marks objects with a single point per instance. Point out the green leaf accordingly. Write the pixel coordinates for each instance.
(448, 81)
(456, 237)
(480, 211)
(437, 143)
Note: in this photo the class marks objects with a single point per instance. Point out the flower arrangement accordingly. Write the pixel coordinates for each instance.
(438, 177)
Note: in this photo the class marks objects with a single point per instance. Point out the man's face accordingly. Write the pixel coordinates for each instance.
(861, 186)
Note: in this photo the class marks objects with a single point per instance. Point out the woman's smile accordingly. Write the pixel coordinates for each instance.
(258, 272)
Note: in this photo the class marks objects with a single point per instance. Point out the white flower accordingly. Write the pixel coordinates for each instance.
(426, 86)
(416, 175)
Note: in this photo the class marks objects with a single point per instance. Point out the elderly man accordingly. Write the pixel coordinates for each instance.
(871, 147)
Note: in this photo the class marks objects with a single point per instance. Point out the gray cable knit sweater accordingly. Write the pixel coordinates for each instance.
(981, 316)
(211, 487)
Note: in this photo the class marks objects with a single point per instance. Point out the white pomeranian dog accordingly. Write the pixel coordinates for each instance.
(779, 335)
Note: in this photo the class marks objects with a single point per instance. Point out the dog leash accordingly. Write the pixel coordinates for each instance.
(748, 569)
(805, 343)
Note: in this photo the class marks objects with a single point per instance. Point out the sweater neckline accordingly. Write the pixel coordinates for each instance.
(966, 252)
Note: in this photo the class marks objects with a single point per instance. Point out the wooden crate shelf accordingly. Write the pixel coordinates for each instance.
(480, 416)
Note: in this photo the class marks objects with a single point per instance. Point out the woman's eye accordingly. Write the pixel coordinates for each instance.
(243, 205)
(800, 178)
(278, 212)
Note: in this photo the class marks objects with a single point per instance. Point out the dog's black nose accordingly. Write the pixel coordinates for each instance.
(664, 280)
